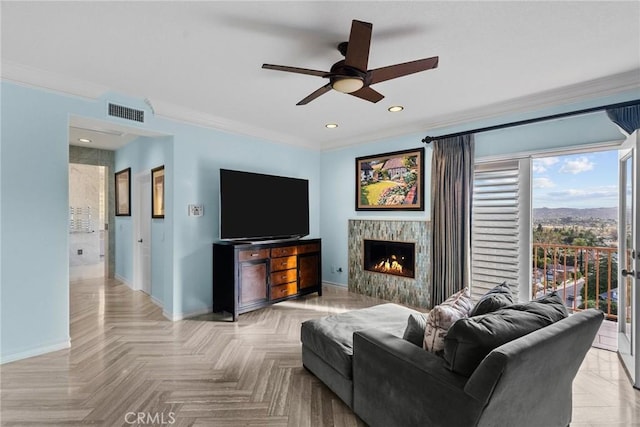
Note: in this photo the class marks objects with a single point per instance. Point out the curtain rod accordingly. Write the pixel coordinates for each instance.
(428, 139)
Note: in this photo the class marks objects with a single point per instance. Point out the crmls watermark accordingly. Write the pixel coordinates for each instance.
(150, 418)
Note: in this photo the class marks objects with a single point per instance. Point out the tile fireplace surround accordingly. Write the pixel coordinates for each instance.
(402, 290)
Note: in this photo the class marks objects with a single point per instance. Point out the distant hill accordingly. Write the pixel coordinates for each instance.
(542, 214)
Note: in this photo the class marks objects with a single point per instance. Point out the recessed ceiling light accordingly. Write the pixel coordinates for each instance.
(331, 125)
(396, 108)
(84, 140)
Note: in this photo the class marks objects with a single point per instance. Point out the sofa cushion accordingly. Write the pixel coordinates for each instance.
(442, 316)
(470, 340)
(497, 298)
(414, 333)
(331, 337)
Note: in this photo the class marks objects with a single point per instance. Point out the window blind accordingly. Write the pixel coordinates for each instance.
(496, 227)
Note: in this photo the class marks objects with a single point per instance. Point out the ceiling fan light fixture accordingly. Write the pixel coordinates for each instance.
(347, 84)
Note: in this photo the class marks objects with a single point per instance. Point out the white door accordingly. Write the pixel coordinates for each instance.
(142, 233)
(629, 258)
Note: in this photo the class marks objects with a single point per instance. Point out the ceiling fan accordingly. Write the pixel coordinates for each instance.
(351, 75)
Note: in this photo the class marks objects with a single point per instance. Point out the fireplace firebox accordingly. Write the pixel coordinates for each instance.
(390, 257)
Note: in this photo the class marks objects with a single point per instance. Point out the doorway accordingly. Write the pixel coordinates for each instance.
(575, 234)
(629, 236)
(88, 237)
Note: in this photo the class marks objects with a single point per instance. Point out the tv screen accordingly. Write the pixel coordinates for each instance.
(262, 207)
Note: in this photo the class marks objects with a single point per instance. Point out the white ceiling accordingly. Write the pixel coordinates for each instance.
(201, 61)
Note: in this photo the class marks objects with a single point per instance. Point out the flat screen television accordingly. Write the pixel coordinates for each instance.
(258, 207)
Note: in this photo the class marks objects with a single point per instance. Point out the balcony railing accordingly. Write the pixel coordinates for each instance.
(583, 276)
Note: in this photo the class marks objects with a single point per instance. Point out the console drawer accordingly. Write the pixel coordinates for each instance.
(283, 263)
(284, 251)
(248, 255)
(282, 291)
(312, 247)
(285, 276)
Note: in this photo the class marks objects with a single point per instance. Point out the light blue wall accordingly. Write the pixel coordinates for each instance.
(197, 154)
(337, 200)
(338, 166)
(549, 135)
(198, 157)
(34, 284)
(34, 288)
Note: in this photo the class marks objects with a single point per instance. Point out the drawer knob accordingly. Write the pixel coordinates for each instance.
(255, 254)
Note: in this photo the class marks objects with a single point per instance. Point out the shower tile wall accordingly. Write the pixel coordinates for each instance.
(86, 224)
(97, 157)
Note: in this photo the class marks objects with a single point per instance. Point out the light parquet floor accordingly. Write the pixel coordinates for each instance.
(127, 359)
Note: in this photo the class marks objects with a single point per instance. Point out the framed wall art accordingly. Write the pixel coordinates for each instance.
(123, 192)
(157, 192)
(390, 181)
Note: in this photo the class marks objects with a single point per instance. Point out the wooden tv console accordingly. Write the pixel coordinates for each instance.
(247, 277)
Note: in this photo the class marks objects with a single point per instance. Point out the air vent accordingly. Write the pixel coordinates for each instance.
(126, 113)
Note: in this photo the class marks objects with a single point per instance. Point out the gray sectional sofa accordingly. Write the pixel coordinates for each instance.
(389, 381)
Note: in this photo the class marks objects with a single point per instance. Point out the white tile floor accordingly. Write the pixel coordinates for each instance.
(602, 393)
(607, 337)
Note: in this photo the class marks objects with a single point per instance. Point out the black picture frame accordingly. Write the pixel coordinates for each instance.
(123, 192)
(391, 181)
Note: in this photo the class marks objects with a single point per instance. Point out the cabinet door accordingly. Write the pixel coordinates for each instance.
(253, 282)
(309, 271)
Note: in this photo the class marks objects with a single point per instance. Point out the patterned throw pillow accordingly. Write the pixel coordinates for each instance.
(442, 316)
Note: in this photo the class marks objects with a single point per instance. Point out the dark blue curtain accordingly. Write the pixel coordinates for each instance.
(628, 118)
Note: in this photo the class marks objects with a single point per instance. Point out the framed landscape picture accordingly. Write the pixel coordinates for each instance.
(157, 192)
(390, 181)
(123, 192)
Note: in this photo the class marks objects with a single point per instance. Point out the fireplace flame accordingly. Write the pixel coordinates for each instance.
(389, 265)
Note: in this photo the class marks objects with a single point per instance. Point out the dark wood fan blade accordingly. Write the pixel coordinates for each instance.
(358, 48)
(393, 71)
(295, 70)
(324, 89)
(368, 94)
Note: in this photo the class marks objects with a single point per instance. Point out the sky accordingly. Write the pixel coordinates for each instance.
(587, 180)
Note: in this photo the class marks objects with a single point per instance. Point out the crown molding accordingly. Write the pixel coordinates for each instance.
(564, 96)
(31, 76)
(590, 90)
(185, 115)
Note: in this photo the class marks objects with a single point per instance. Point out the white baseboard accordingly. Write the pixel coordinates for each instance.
(326, 282)
(64, 344)
(182, 316)
(123, 280)
(156, 301)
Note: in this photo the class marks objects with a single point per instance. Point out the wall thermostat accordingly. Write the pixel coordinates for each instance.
(196, 210)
